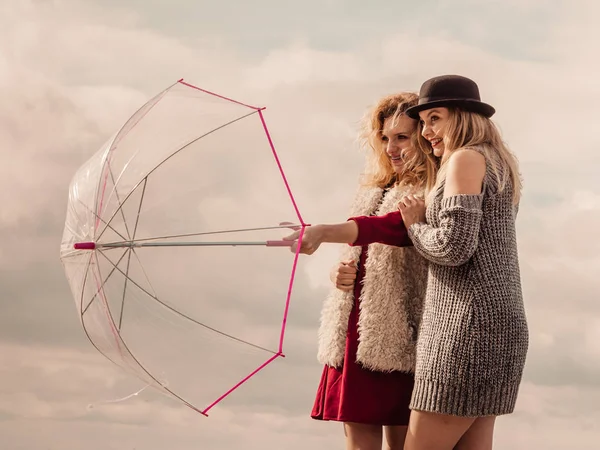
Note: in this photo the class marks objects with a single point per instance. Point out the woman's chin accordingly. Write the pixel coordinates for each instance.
(398, 168)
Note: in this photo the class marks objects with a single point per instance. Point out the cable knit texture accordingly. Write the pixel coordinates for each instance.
(391, 299)
(474, 336)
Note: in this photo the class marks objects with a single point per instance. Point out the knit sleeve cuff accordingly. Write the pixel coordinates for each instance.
(466, 201)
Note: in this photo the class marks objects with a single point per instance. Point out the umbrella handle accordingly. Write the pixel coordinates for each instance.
(279, 243)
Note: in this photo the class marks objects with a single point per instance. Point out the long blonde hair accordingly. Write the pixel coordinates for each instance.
(467, 130)
(418, 172)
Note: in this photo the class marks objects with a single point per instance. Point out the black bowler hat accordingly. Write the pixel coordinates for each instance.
(450, 90)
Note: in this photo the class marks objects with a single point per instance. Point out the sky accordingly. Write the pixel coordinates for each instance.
(72, 72)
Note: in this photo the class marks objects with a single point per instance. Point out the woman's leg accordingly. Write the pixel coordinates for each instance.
(480, 436)
(360, 436)
(395, 436)
(430, 431)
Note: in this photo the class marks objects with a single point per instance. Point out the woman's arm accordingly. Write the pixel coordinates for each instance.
(388, 229)
(339, 233)
(357, 231)
(456, 239)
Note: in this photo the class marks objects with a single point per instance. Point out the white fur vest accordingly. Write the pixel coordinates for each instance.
(391, 300)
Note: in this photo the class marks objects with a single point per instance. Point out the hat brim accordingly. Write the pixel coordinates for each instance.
(475, 106)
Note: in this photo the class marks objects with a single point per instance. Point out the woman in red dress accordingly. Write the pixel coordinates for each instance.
(369, 321)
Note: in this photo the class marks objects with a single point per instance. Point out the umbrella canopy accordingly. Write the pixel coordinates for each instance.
(170, 245)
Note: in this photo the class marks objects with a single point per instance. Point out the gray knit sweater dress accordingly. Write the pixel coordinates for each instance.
(474, 337)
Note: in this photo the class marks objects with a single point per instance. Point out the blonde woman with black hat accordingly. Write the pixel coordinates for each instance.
(474, 337)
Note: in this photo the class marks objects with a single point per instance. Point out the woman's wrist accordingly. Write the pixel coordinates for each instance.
(340, 233)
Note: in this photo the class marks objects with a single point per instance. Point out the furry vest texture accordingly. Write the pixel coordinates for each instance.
(391, 300)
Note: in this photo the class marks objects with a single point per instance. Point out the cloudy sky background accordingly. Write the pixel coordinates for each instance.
(71, 72)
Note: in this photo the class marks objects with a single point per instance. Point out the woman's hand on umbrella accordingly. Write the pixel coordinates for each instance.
(311, 239)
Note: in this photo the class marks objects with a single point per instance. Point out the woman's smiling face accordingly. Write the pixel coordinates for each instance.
(396, 136)
(433, 124)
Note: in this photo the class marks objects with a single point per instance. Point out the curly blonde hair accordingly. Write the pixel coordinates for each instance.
(419, 172)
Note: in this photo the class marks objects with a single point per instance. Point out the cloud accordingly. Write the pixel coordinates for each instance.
(74, 404)
(551, 417)
(55, 391)
(74, 72)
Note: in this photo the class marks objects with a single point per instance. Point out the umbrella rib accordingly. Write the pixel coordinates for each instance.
(149, 105)
(139, 364)
(156, 299)
(124, 292)
(153, 294)
(204, 233)
(129, 257)
(169, 157)
(112, 177)
(137, 218)
(104, 282)
(85, 330)
(108, 225)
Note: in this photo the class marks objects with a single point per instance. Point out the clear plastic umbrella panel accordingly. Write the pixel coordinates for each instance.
(172, 245)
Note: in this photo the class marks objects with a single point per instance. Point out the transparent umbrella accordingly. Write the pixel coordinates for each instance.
(170, 245)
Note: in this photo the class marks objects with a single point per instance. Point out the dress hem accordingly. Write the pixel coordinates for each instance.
(364, 422)
(463, 400)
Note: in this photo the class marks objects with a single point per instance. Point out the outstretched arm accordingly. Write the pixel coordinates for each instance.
(357, 231)
(455, 240)
(315, 235)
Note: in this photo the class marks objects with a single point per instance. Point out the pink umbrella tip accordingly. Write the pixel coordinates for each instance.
(85, 246)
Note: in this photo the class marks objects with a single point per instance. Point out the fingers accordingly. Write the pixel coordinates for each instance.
(309, 242)
(343, 275)
(345, 288)
(345, 284)
(306, 246)
(347, 268)
(289, 225)
(292, 237)
(346, 275)
(404, 202)
(410, 201)
(345, 278)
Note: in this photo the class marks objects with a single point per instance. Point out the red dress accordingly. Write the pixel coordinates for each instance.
(353, 393)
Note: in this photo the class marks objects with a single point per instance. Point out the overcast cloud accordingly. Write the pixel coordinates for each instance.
(71, 72)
